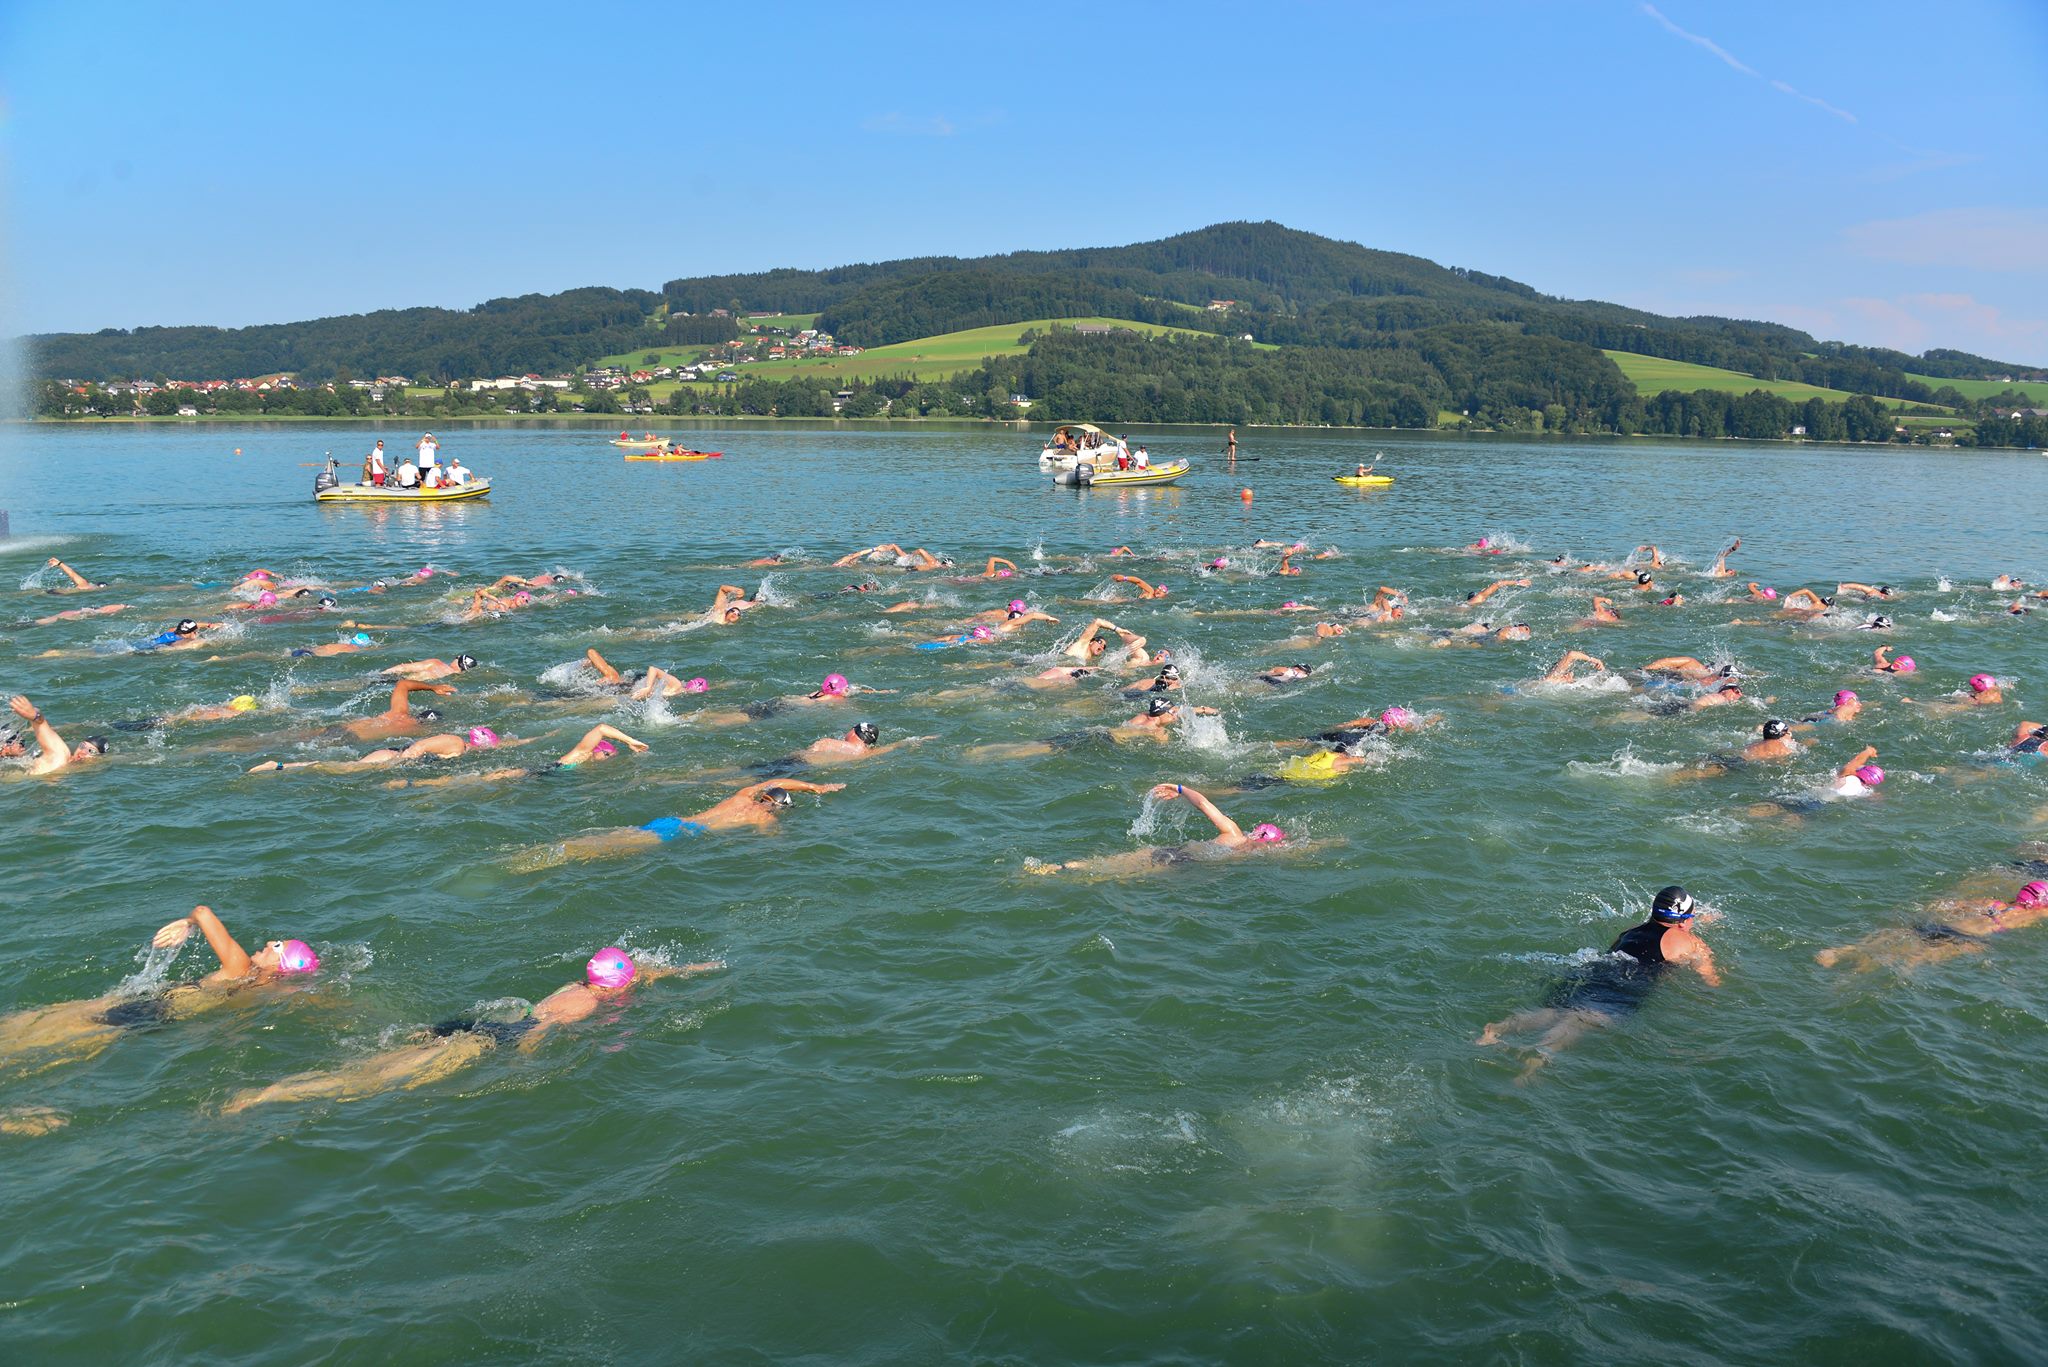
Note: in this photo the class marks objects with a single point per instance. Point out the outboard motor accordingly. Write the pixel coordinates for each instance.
(327, 479)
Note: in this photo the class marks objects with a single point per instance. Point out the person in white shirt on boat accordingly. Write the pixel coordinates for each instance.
(373, 465)
(430, 478)
(1144, 461)
(408, 476)
(430, 453)
(458, 473)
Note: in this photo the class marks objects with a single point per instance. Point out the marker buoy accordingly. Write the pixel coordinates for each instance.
(238, 450)
(1245, 494)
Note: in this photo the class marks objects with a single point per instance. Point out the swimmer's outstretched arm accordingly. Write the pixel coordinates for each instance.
(1656, 556)
(46, 734)
(78, 581)
(996, 560)
(1863, 757)
(405, 688)
(234, 960)
(603, 668)
(1805, 598)
(582, 749)
(1225, 827)
(794, 785)
(1674, 662)
(1079, 648)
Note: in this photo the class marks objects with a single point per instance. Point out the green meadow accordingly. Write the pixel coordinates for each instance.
(2034, 390)
(1654, 374)
(936, 358)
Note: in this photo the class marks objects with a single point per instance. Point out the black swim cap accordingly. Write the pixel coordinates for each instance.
(1079, 673)
(465, 662)
(776, 797)
(865, 732)
(1672, 905)
(426, 714)
(1827, 600)
(326, 600)
(1642, 576)
(1159, 707)
(1774, 729)
(187, 627)
(1169, 671)
(99, 744)
(1880, 623)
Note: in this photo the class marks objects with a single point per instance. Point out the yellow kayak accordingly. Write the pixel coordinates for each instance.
(1363, 481)
(681, 455)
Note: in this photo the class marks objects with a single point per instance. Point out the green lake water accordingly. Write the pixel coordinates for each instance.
(940, 1109)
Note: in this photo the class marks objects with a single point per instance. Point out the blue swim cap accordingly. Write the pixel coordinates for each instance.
(361, 638)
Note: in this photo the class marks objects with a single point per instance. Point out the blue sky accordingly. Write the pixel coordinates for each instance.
(1866, 171)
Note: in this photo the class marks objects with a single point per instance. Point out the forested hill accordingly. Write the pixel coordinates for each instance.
(1286, 287)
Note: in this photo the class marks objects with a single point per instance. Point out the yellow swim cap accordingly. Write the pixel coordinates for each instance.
(245, 703)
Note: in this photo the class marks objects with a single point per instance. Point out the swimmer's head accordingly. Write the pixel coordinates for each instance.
(732, 614)
(522, 597)
(259, 574)
(426, 714)
(2034, 894)
(1845, 697)
(1642, 576)
(981, 633)
(1160, 707)
(186, 627)
(1221, 562)
(361, 638)
(1871, 775)
(833, 686)
(1878, 623)
(424, 572)
(290, 956)
(1904, 665)
(465, 662)
(604, 749)
(1770, 593)
(1672, 906)
(1827, 600)
(1397, 716)
(1170, 672)
(865, 732)
(697, 685)
(1266, 833)
(1775, 729)
(1980, 682)
(610, 968)
(1096, 647)
(266, 599)
(1289, 606)
(1017, 606)
(244, 703)
(1733, 690)
(1485, 543)
(1518, 631)
(482, 736)
(92, 747)
(326, 601)
(775, 797)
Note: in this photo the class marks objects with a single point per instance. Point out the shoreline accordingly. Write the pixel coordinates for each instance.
(605, 420)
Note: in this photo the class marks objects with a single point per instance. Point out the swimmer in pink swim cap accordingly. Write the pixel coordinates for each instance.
(1962, 923)
(454, 1044)
(1884, 665)
(1144, 589)
(654, 682)
(1230, 839)
(999, 568)
(67, 1032)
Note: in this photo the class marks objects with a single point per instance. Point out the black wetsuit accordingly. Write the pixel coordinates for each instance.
(497, 1032)
(137, 1012)
(1611, 986)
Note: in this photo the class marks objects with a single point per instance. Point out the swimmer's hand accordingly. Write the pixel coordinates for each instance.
(172, 935)
(1165, 792)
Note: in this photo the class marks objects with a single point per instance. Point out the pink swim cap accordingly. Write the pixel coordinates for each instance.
(697, 685)
(1871, 775)
(1160, 589)
(1980, 682)
(1770, 593)
(1485, 542)
(834, 686)
(482, 735)
(1397, 716)
(1904, 665)
(265, 599)
(981, 633)
(1266, 833)
(2032, 895)
(1290, 603)
(609, 967)
(424, 572)
(258, 574)
(1220, 563)
(1845, 697)
(296, 956)
(1002, 574)
(522, 597)
(604, 747)
(1017, 605)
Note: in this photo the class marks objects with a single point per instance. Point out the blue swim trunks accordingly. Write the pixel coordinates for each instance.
(669, 827)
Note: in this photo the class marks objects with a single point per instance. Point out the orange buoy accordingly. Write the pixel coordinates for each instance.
(238, 450)
(1245, 494)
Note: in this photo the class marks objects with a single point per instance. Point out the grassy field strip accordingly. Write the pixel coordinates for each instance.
(936, 358)
(1654, 374)
(2036, 392)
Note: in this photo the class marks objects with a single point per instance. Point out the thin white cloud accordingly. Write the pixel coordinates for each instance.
(1983, 239)
(909, 125)
(1782, 87)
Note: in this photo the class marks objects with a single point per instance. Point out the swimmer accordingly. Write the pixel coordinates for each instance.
(1478, 596)
(79, 583)
(1965, 928)
(1286, 674)
(598, 744)
(1599, 993)
(1846, 707)
(654, 682)
(1884, 665)
(1388, 605)
(56, 754)
(1774, 746)
(1759, 593)
(1804, 603)
(1603, 614)
(1565, 671)
(1089, 646)
(1168, 680)
(1286, 565)
(76, 1030)
(1120, 550)
(758, 806)
(999, 568)
(1688, 668)
(1719, 569)
(445, 746)
(1155, 723)
(2006, 583)
(1230, 839)
(186, 635)
(765, 562)
(1884, 591)
(426, 670)
(1676, 600)
(397, 717)
(1656, 556)
(1145, 590)
(1878, 623)
(360, 641)
(1318, 766)
(75, 614)
(858, 743)
(227, 711)
(727, 605)
(1483, 546)
(1395, 718)
(1323, 631)
(454, 1044)
(1984, 692)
